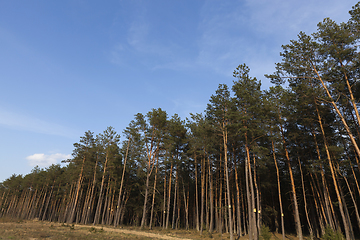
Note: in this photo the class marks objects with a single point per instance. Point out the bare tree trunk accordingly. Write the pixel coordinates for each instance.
(71, 218)
(220, 207)
(186, 203)
(356, 181)
(90, 205)
(47, 203)
(252, 194)
(305, 202)
(196, 196)
(345, 220)
(107, 192)
(296, 208)
(248, 196)
(164, 205)
(153, 196)
(175, 198)
(328, 218)
(353, 200)
(352, 139)
(225, 138)
(86, 204)
(117, 215)
(207, 198)
(145, 198)
(169, 198)
(258, 213)
(279, 191)
(216, 210)
(320, 211)
(225, 219)
(202, 194)
(211, 198)
(238, 203)
(99, 204)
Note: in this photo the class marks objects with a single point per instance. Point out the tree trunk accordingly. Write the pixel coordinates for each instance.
(145, 198)
(117, 215)
(238, 203)
(345, 221)
(99, 203)
(296, 208)
(202, 194)
(169, 198)
(153, 196)
(71, 218)
(340, 115)
(211, 198)
(175, 198)
(196, 196)
(164, 205)
(279, 191)
(248, 196)
(305, 202)
(186, 203)
(353, 200)
(225, 138)
(91, 200)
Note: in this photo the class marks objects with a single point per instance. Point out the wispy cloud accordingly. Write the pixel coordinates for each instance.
(43, 160)
(248, 30)
(228, 34)
(137, 35)
(28, 123)
(145, 43)
(269, 17)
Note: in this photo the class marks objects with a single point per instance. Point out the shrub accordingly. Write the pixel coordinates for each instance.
(330, 234)
(265, 233)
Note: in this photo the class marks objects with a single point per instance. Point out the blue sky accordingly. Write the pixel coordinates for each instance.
(71, 66)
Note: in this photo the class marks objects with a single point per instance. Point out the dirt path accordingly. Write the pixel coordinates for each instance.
(134, 232)
(34, 230)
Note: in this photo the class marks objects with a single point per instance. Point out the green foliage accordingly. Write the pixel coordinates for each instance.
(330, 234)
(265, 233)
(95, 230)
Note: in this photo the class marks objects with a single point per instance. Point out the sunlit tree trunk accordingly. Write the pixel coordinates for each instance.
(225, 139)
(100, 199)
(279, 191)
(169, 198)
(153, 195)
(117, 215)
(78, 186)
(211, 197)
(196, 196)
(341, 207)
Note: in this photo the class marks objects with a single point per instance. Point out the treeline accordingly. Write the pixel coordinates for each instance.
(286, 157)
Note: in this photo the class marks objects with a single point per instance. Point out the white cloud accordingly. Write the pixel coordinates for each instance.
(43, 160)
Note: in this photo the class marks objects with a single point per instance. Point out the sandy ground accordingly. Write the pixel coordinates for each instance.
(31, 230)
(45, 230)
(138, 233)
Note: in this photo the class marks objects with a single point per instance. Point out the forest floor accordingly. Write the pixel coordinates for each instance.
(32, 229)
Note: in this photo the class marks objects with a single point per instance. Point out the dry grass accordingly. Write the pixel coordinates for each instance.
(14, 229)
(32, 229)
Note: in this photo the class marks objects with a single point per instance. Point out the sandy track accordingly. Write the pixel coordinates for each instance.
(134, 232)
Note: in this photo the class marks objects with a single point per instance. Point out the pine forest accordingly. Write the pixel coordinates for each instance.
(285, 158)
